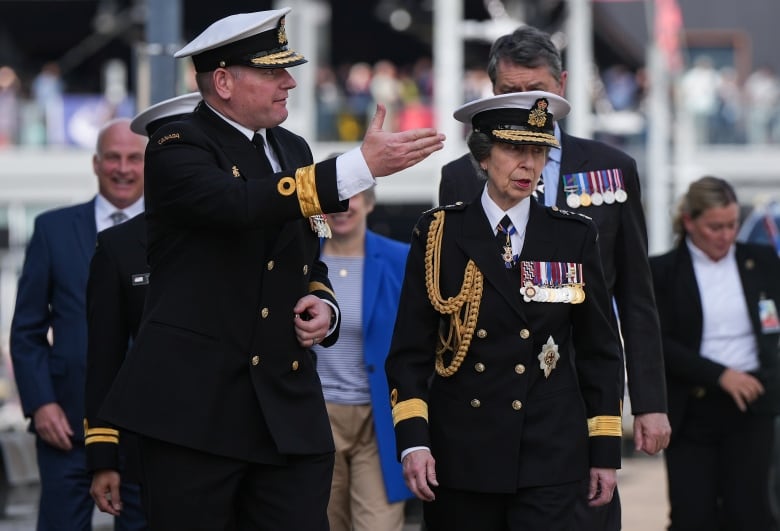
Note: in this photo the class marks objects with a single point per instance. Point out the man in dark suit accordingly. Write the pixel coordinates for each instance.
(49, 370)
(601, 182)
(116, 289)
(219, 382)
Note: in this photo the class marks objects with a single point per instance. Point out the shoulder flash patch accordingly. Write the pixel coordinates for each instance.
(170, 136)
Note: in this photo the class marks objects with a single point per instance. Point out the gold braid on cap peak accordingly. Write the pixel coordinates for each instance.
(306, 184)
(279, 58)
(609, 425)
(524, 136)
(462, 309)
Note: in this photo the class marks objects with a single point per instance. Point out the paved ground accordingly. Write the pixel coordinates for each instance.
(642, 484)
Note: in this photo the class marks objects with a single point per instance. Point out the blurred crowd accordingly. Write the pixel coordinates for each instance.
(41, 111)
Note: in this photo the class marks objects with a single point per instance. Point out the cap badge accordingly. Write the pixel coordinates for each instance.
(538, 115)
(236, 173)
(282, 33)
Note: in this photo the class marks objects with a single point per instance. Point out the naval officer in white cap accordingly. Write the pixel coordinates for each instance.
(220, 382)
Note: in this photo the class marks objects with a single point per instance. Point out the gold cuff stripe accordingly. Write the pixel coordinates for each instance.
(409, 409)
(279, 58)
(608, 425)
(101, 431)
(101, 439)
(319, 286)
(510, 134)
(305, 179)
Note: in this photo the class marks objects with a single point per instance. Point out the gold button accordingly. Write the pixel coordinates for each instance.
(264, 313)
(479, 367)
(519, 368)
(517, 405)
(305, 269)
(482, 333)
(295, 365)
(270, 265)
(475, 403)
(698, 392)
(525, 333)
(255, 360)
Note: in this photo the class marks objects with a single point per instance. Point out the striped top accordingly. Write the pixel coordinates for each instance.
(341, 366)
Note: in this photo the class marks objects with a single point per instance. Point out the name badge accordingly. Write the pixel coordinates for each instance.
(139, 279)
(767, 313)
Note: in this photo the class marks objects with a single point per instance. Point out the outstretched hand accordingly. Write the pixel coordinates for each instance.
(387, 153)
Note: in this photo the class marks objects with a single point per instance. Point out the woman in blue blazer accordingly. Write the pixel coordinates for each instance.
(366, 271)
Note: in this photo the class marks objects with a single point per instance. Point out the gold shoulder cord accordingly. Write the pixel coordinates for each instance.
(463, 306)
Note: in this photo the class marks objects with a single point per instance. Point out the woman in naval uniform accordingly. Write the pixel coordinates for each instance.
(497, 423)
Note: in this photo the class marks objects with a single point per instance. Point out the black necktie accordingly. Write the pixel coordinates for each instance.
(118, 217)
(259, 143)
(504, 232)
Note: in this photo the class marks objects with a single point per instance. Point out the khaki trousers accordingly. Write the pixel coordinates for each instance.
(357, 498)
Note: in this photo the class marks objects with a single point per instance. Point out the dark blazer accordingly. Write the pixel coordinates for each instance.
(216, 365)
(679, 307)
(498, 423)
(118, 278)
(623, 244)
(51, 293)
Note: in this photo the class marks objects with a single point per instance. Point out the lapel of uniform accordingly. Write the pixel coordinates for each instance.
(746, 265)
(290, 230)
(373, 269)
(539, 245)
(684, 283)
(573, 159)
(237, 148)
(479, 244)
(86, 230)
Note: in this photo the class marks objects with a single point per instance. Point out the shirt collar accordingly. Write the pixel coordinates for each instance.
(697, 255)
(104, 208)
(555, 153)
(243, 130)
(518, 213)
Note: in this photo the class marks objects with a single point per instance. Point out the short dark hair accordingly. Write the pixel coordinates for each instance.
(528, 47)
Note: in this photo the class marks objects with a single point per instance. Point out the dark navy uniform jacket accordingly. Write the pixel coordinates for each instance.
(623, 245)
(216, 365)
(498, 423)
(118, 278)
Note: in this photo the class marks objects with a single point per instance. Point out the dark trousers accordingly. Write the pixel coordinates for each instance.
(604, 518)
(718, 468)
(65, 503)
(132, 517)
(529, 509)
(197, 491)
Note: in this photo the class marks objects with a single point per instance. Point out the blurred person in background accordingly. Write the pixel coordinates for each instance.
(717, 301)
(49, 326)
(366, 270)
